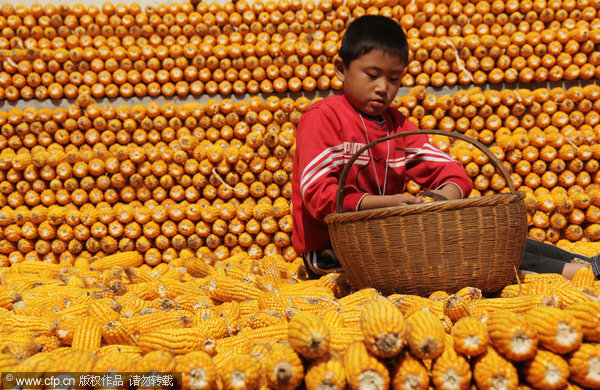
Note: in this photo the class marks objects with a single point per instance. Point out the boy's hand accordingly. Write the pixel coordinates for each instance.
(378, 201)
(402, 200)
(448, 191)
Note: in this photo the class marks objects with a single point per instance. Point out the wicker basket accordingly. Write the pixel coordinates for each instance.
(443, 245)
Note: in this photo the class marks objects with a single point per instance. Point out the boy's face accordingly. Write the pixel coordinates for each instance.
(371, 81)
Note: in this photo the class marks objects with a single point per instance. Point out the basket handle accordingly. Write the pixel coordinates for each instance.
(497, 163)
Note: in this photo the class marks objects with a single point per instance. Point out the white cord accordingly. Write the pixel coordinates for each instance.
(373, 159)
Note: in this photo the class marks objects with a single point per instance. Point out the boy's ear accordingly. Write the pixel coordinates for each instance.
(339, 68)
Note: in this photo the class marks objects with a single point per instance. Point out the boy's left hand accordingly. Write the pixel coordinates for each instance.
(447, 191)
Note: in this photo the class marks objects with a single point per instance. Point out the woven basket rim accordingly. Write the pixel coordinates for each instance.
(443, 205)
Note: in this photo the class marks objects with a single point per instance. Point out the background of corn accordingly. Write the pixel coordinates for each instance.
(145, 185)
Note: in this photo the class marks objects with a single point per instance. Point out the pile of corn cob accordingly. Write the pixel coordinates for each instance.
(258, 323)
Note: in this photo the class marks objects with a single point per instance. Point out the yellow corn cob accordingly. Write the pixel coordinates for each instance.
(451, 370)
(75, 360)
(558, 331)
(116, 332)
(87, 334)
(492, 371)
(278, 331)
(546, 370)
(310, 291)
(516, 305)
(587, 315)
(239, 343)
(16, 322)
(469, 294)
(48, 342)
(283, 368)
(264, 318)
(425, 335)
(569, 295)
(79, 309)
(223, 288)
(409, 372)
(7, 362)
(143, 323)
(133, 351)
(65, 328)
(249, 307)
(104, 310)
(114, 361)
(113, 274)
(263, 348)
(584, 366)
(163, 304)
(37, 311)
(240, 372)
(133, 307)
(455, 307)
(175, 273)
(512, 335)
(39, 362)
(313, 303)
(363, 369)
(274, 301)
(230, 311)
(332, 318)
(7, 298)
(20, 336)
(139, 275)
(470, 336)
(342, 337)
(359, 297)
(82, 263)
(308, 335)
(337, 283)
(326, 372)
(21, 350)
(214, 328)
(409, 304)
(583, 277)
(36, 267)
(157, 361)
(439, 295)
(268, 268)
(198, 371)
(296, 271)
(383, 327)
(176, 341)
(121, 259)
(171, 288)
(514, 290)
(548, 277)
(193, 302)
(74, 281)
(351, 315)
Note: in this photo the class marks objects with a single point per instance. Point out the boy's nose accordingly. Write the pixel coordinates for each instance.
(381, 85)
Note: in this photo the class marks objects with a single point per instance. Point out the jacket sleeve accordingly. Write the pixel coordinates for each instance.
(320, 161)
(432, 168)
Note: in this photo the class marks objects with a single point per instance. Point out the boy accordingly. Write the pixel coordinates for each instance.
(371, 62)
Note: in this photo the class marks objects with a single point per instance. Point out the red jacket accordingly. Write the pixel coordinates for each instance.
(328, 134)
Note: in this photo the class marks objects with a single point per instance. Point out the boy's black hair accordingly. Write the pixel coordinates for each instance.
(373, 32)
